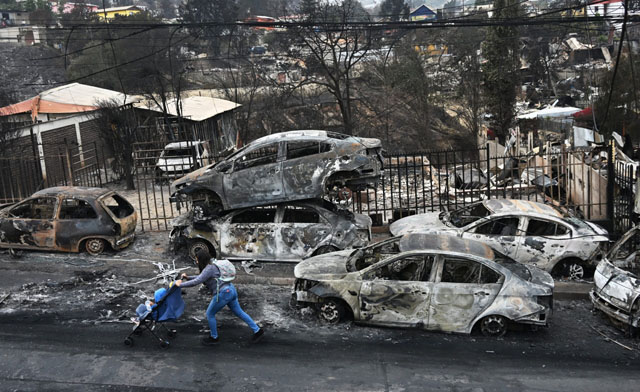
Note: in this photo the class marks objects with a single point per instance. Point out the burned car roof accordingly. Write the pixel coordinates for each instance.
(512, 205)
(421, 241)
(74, 191)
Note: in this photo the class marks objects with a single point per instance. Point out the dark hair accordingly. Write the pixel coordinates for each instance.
(203, 258)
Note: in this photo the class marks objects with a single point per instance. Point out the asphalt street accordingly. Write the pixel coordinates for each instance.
(64, 320)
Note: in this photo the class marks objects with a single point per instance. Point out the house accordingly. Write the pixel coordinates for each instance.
(422, 13)
(57, 134)
(58, 102)
(13, 17)
(112, 13)
(605, 8)
(67, 8)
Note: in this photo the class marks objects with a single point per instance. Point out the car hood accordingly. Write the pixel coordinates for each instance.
(334, 263)
(193, 176)
(616, 285)
(417, 223)
(370, 142)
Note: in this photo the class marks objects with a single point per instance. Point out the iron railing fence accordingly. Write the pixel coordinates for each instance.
(445, 180)
(157, 164)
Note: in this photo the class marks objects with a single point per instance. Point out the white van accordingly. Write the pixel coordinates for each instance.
(177, 158)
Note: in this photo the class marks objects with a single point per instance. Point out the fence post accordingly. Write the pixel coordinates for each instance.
(69, 162)
(610, 184)
(488, 172)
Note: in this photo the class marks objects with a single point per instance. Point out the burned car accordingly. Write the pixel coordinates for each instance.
(529, 232)
(69, 219)
(616, 281)
(281, 167)
(281, 232)
(421, 280)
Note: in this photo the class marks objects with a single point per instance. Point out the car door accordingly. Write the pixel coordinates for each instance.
(463, 289)
(306, 165)
(77, 219)
(543, 240)
(397, 292)
(302, 230)
(256, 176)
(500, 233)
(30, 224)
(250, 234)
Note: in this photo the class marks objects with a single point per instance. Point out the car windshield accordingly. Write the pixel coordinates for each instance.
(465, 215)
(364, 257)
(578, 223)
(178, 152)
(520, 270)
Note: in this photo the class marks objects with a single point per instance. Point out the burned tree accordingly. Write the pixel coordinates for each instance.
(118, 127)
(334, 47)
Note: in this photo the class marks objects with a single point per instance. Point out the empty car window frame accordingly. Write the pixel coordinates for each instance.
(537, 227)
(299, 149)
(43, 207)
(498, 226)
(399, 268)
(116, 205)
(264, 214)
(262, 155)
(461, 270)
(301, 214)
(72, 208)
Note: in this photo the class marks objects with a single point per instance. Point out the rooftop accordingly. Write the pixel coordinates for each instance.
(421, 241)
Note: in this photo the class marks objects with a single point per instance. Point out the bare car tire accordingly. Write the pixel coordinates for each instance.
(331, 311)
(493, 326)
(196, 245)
(94, 246)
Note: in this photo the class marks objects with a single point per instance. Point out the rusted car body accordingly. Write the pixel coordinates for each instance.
(282, 167)
(529, 232)
(616, 281)
(69, 219)
(432, 282)
(281, 232)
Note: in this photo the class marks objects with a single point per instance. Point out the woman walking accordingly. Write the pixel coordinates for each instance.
(224, 294)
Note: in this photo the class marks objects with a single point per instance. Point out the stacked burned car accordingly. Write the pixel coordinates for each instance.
(265, 201)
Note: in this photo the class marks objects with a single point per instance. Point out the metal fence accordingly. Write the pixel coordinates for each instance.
(157, 164)
(20, 176)
(422, 182)
(445, 180)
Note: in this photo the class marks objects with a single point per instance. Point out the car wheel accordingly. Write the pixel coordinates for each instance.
(325, 249)
(331, 311)
(494, 326)
(572, 269)
(94, 246)
(196, 245)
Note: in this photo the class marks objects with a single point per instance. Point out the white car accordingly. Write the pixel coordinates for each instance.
(180, 158)
(616, 281)
(528, 232)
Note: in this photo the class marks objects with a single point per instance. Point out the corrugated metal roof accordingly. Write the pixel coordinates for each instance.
(81, 94)
(195, 108)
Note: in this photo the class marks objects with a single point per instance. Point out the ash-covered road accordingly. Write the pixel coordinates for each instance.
(63, 323)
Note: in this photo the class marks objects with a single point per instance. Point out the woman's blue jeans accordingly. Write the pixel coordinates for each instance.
(228, 296)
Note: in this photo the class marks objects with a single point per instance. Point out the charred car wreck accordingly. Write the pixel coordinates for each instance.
(616, 290)
(425, 281)
(529, 232)
(286, 166)
(69, 219)
(282, 232)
